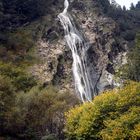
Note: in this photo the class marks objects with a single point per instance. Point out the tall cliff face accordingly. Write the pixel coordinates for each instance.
(105, 54)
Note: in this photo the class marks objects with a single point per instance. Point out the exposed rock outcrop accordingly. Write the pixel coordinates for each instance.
(104, 53)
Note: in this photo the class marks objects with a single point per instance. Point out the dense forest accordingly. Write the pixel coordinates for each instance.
(32, 110)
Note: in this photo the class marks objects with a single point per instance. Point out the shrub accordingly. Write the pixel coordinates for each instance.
(17, 45)
(7, 101)
(129, 35)
(18, 76)
(41, 112)
(112, 115)
(34, 115)
(131, 70)
(134, 61)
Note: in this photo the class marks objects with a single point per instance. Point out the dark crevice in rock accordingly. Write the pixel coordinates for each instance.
(60, 71)
(110, 69)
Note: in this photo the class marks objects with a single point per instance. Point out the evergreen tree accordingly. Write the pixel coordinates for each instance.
(114, 3)
(124, 8)
(138, 5)
(132, 7)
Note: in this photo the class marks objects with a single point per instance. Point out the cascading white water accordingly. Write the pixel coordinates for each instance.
(78, 47)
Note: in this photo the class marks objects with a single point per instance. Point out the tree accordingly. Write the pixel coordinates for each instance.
(7, 102)
(134, 61)
(18, 76)
(131, 71)
(129, 35)
(138, 5)
(132, 7)
(114, 3)
(124, 8)
(112, 115)
(34, 115)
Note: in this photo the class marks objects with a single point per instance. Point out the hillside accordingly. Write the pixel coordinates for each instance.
(37, 85)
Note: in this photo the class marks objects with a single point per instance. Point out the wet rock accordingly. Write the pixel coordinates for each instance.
(104, 55)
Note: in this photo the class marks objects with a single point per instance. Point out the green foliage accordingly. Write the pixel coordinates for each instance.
(38, 114)
(132, 69)
(129, 35)
(124, 25)
(18, 76)
(7, 99)
(28, 111)
(20, 39)
(138, 5)
(16, 46)
(133, 72)
(112, 115)
(132, 7)
(104, 4)
(12, 80)
(18, 12)
(128, 20)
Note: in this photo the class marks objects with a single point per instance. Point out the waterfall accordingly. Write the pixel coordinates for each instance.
(79, 47)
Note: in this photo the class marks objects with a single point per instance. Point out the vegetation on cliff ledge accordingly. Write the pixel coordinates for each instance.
(33, 111)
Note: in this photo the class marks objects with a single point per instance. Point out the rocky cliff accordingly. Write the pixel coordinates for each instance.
(105, 54)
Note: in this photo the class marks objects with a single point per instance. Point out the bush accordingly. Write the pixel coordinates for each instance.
(21, 11)
(131, 70)
(18, 76)
(7, 101)
(18, 46)
(34, 115)
(129, 35)
(134, 61)
(112, 115)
